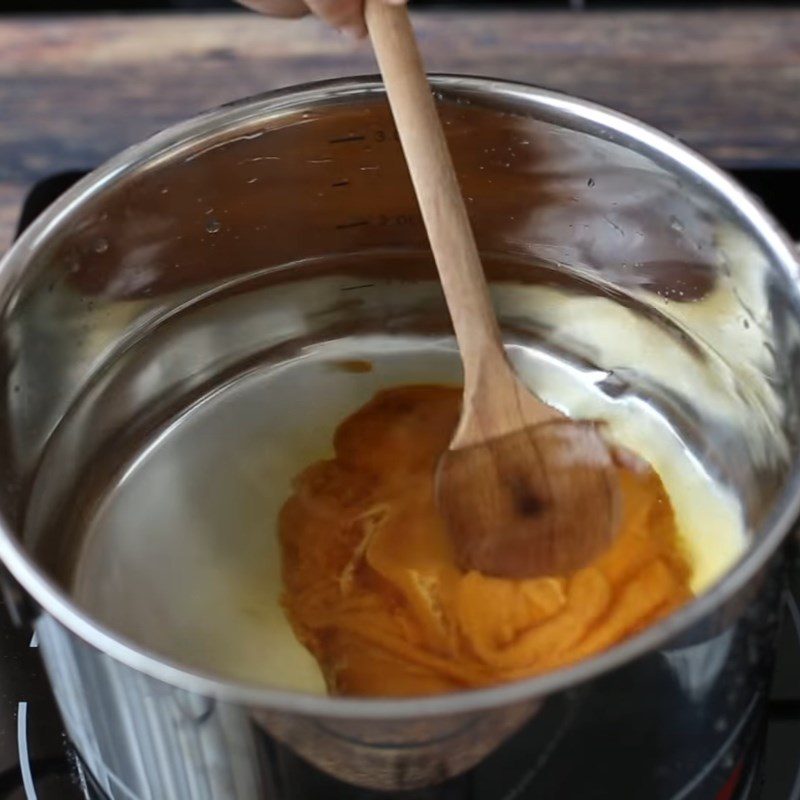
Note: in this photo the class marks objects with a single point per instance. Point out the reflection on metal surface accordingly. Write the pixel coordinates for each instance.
(698, 666)
(22, 745)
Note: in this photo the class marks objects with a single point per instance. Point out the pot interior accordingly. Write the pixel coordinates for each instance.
(190, 327)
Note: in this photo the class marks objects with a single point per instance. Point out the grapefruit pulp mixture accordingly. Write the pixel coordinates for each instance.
(372, 589)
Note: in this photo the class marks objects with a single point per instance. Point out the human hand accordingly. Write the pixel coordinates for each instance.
(346, 15)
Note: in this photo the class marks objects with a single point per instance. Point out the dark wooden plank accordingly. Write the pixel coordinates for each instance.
(75, 90)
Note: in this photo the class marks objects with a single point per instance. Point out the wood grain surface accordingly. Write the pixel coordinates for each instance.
(74, 90)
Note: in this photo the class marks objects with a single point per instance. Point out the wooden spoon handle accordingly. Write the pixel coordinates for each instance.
(437, 188)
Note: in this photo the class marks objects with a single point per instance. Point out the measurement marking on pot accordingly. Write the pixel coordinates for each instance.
(340, 183)
(357, 224)
(342, 139)
(22, 747)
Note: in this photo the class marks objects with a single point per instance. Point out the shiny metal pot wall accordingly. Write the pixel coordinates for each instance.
(275, 225)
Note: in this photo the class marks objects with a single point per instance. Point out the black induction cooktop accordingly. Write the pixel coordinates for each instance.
(37, 763)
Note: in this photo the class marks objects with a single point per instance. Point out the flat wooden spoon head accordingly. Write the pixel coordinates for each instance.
(541, 500)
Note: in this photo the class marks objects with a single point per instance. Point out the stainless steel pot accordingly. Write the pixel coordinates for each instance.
(270, 228)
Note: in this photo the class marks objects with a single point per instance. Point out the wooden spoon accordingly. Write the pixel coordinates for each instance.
(524, 490)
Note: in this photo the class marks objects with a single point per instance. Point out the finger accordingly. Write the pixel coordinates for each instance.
(278, 8)
(346, 15)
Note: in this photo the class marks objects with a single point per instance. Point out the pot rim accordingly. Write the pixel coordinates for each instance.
(55, 602)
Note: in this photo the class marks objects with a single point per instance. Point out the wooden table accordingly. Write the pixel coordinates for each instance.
(74, 90)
